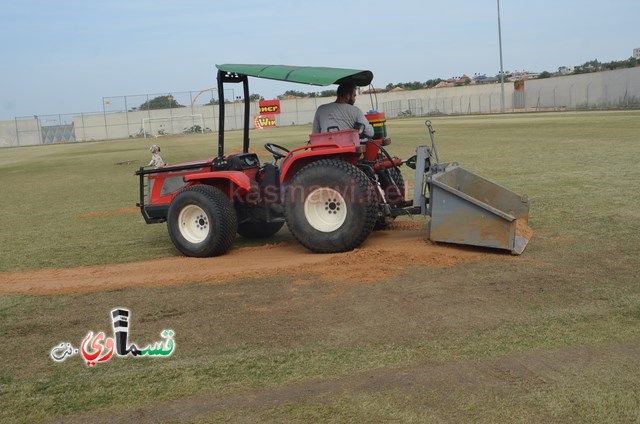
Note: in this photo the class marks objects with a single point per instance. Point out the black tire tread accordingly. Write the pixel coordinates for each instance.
(225, 219)
(362, 182)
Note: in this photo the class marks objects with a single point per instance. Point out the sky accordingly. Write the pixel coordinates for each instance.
(63, 57)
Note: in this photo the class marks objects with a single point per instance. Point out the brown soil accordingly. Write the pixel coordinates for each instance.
(383, 255)
(523, 229)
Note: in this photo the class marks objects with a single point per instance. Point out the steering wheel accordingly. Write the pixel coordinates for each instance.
(276, 151)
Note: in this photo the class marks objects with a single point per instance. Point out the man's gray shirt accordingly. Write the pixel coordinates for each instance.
(341, 115)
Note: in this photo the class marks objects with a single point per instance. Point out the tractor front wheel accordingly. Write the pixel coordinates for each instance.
(201, 221)
(330, 206)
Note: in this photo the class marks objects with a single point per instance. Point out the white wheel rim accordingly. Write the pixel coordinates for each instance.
(194, 224)
(325, 209)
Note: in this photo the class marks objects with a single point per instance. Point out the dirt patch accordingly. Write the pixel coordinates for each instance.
(383, 255)
(523, 230)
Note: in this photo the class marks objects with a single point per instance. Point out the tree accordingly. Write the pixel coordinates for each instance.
(160, 102)
(328, 93)
(544, 74)
(629, 63)
(292, 93)
(588, 67)
(415, 85)
(432, 82)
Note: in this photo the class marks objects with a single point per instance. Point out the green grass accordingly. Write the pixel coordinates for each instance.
(550, 336)
(49, 190)
(578, 168)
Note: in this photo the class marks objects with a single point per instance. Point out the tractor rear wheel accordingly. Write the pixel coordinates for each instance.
(201, 221)
(330, 206)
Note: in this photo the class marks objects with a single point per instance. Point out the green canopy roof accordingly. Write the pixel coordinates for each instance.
(302, 74)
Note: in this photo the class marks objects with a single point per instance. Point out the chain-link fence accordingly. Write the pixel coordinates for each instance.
(192, 112)
(603, 90)
(447, 105)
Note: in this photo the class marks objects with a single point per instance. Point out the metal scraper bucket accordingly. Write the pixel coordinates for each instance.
(468, 209)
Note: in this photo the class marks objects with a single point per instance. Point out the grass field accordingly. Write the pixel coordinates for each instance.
(553, 335)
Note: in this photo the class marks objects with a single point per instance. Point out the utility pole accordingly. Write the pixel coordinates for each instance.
(501, 68)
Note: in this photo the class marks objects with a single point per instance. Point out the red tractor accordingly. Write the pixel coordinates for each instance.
(331, 192)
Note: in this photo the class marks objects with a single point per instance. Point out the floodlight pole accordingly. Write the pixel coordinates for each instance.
(501, 68)
(104, 116)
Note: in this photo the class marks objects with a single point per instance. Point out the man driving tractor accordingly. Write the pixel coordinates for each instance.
(341, 114)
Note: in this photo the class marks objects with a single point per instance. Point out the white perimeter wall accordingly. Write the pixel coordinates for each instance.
(619, 88)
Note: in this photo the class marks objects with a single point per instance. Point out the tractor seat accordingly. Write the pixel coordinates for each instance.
(240, 161)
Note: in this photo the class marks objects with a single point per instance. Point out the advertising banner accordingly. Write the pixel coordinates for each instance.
(264, 121)
(271, 107)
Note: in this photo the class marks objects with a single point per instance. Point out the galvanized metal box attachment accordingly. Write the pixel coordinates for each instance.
(468, 209)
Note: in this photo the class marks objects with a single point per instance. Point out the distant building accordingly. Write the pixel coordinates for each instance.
(523, 75)
(483, 79)
(565, 70)
(373, 90)
(636, 53)
(459, 80)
